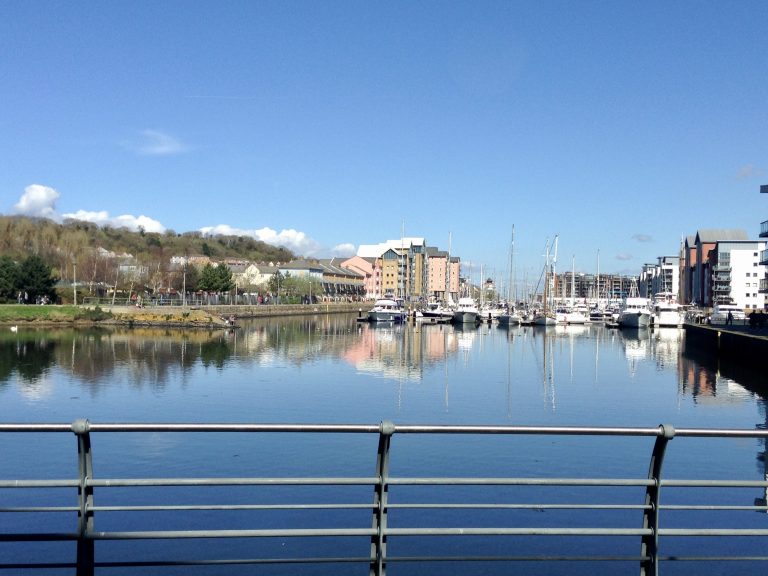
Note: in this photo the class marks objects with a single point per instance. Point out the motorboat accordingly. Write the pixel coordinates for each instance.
(635, 313)
(387, 310)
(434, 312)
(667, 312)
(720, 314)
(466, 311)
(509, 318)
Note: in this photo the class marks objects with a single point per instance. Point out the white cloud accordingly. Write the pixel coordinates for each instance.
(623, 256)
(642, 237)
(156, 143)
(344, 250)
(38, 201)
(294, 240)
(102, 218)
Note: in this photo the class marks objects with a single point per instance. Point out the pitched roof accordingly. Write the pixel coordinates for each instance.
(720, 234)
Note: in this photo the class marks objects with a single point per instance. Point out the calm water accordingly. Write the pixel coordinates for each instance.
(329, 369)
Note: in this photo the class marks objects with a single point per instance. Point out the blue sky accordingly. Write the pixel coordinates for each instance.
(321, 125)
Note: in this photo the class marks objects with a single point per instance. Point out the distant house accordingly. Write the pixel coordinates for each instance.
(340, 282)
(255, 276)
(369, 269)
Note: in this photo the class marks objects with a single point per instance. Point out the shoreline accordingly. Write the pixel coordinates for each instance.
(206, 317)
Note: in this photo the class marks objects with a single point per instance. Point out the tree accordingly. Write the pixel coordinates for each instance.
(224, 278)
(216, 279)
(207, 281)
(9, 279)
(36, 279)
(275, 282)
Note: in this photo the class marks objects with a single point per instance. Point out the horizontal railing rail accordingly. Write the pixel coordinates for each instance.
(378, 518)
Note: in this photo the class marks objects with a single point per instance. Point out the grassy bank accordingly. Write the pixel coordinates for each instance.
(16, 313)
(13, 314)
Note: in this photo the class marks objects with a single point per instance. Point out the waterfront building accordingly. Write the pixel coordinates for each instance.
(591, 286)
(370, 270)
(764, 253)
(662, 277)
(697, 272)
(735, 274)
(339, 282)
(442, 270)
(404, 266)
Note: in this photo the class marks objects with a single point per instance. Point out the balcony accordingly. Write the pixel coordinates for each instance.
(763, 257)
(764, 229)
(764, 285)
(724, 267)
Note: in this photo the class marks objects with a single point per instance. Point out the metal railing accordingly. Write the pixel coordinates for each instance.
(642, 521)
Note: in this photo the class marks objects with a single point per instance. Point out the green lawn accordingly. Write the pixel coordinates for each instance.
(29, 313)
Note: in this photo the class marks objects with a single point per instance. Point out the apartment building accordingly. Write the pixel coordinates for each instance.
(764, 253)
(735, 275)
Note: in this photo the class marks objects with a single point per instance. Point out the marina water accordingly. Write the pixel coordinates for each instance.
(332, 369)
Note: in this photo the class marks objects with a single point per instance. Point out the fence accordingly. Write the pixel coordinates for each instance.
(373, 520)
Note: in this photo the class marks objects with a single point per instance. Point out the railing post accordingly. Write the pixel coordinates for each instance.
(380, 496)
(649, 547)
(85, 546)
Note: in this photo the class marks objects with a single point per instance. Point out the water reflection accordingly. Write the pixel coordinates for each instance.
(153, 358)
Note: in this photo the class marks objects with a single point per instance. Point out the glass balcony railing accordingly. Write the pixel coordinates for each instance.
(764, 257)
(764, 229)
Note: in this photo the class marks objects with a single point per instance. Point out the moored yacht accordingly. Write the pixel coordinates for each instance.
(666, 310)
(387, 310)
(466, 312)
(435, 312)
(635, 313)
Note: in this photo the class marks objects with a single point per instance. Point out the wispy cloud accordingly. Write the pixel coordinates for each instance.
(623, 256)
(156, 143)
(38, 201)
(343, 250)
(748, 171)
(294, 240)
(642, 237)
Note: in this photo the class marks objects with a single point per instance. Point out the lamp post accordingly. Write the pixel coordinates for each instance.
(74, 279)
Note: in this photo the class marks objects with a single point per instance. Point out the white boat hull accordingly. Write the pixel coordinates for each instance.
(465, 317)
(544, 321)
(668, 319)
(385, 317)
(634, 319)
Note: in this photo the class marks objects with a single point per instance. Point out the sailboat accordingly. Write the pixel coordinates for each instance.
(546, 316)
(510, 317)
(573, 315)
